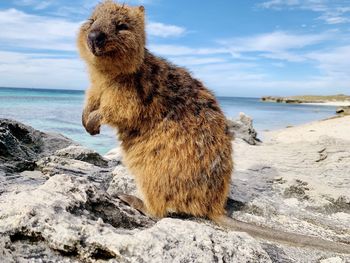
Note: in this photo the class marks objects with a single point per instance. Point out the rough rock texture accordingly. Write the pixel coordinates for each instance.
(81, 153)
(21, 145)
(71, 211)
(345, 110)
(242, 128)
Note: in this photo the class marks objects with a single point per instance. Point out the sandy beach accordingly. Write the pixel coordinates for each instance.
(315, 153)
(337, 127)
(330, 103)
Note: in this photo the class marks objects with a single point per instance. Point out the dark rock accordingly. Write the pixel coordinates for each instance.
(21, 145)
(345, 110)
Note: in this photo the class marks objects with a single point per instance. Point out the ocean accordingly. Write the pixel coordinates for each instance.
(60, 111)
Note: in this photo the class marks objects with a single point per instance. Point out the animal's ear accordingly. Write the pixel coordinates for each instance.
(141, 9)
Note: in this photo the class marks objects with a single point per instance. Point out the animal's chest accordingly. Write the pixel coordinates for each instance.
(119, 104)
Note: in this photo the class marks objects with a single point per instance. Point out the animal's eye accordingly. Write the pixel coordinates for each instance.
(121, 27)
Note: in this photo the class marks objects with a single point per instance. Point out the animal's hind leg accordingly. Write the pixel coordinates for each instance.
(134, 202)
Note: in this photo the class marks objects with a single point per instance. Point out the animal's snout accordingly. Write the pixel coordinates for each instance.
(97, 38)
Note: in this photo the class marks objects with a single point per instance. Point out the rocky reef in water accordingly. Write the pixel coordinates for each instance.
(307, 99)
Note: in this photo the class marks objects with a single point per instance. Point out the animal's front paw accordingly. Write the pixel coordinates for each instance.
(85, 116)
(93, 123)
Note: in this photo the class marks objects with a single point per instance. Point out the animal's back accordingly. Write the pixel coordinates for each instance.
(181, 153)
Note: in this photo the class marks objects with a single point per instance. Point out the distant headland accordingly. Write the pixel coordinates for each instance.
(340, 100)
(331, 100)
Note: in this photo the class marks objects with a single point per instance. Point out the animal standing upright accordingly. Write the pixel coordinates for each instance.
(172, 130)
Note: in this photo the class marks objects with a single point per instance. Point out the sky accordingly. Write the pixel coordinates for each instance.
(236, 47)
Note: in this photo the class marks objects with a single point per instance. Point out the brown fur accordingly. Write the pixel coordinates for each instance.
(171, 128)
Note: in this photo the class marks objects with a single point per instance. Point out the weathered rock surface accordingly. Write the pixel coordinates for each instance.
(71, 213)
(242, 128)
(345, 110)
(84, 154)
(21, 145)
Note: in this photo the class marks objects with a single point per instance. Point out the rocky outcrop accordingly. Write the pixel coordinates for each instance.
(21, 146)
(307, 99)
(242, 128)
(70, 212)
(345, 110)
(83, 154)
(285, 100)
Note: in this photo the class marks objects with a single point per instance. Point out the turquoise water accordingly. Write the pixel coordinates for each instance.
(60, 111)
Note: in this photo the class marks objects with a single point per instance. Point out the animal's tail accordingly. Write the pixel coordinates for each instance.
(284, 237)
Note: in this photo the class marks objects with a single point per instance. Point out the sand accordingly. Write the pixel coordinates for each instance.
(316, 154)
(330, 103)
(337, 127)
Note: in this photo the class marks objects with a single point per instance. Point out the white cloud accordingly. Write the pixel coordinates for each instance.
(178, 50)
(333, 62)
(332, 12)
(35, 4)
(334, 19)
(37, 32)
(164, 30)
(279, 3)
(41, 71)
(275, 45)
(313, 5)
(230, 66)
(236, 80)
(24, 30)
(270, 42)
(239, 78)
(191, 60)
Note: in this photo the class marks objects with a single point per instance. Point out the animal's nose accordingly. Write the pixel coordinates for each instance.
(98, 38)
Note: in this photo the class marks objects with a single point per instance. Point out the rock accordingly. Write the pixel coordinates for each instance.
(283, 100)
(122, 182)
(84, 154)
(332, 260)
(53, 165)
(243, 128)
(21, 146)
(70, 215)
(345, 110)
(70, 211)
(76, 219)
(114, 154)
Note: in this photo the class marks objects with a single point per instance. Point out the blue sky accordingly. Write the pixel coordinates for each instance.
(238, 48)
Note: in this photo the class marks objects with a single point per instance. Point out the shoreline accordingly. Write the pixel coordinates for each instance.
(328, 103)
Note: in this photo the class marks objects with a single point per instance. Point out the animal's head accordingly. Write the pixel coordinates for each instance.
(114, 34)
